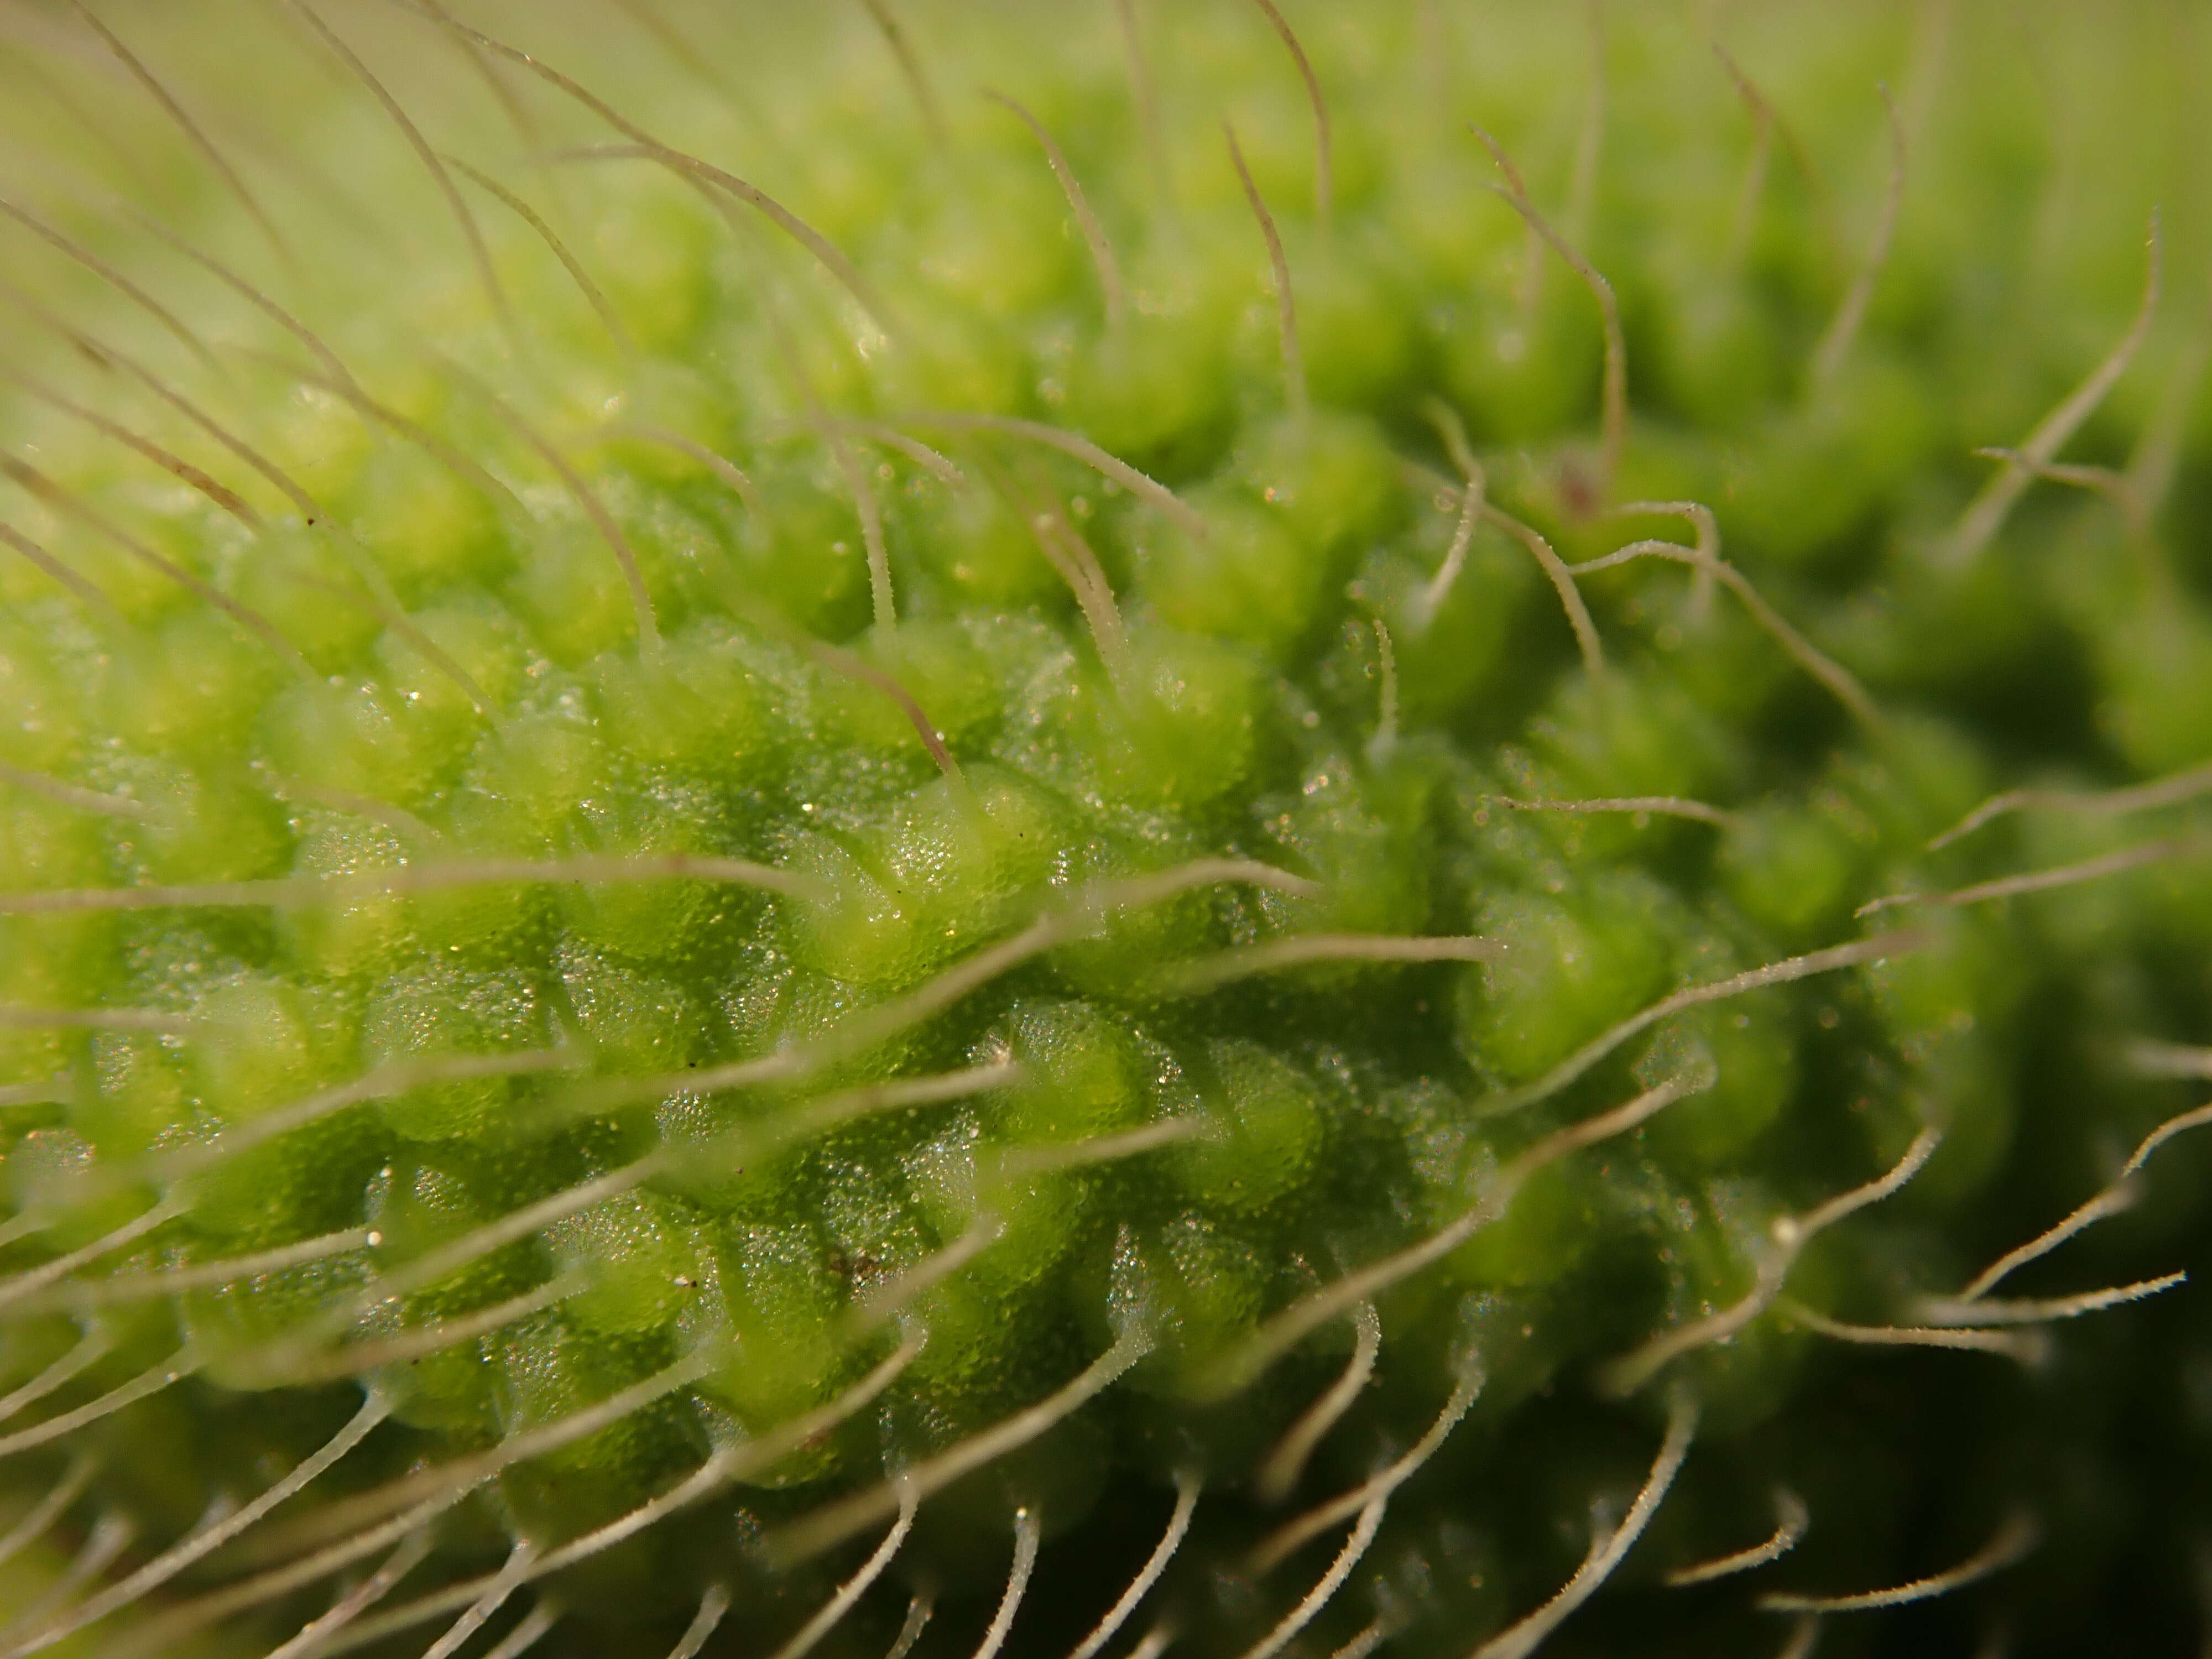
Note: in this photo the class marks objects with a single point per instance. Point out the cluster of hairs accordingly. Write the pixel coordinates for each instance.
(1072, 888)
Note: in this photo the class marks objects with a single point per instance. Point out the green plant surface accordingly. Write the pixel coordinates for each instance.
(1111, 829)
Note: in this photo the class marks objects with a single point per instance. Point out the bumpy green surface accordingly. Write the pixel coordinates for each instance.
(550, 544)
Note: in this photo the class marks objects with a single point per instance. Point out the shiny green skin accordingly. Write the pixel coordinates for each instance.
(396, 631)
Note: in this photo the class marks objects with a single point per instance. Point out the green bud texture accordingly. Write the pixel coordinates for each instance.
(1107, 828)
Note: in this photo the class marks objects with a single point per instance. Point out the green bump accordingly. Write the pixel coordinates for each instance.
(784, 1354)
(1520, 375)
(1185, 736)
(1244, 578)
(1565, 970)
(1756, 1072)
(941, 874)
(1795, 867)
(428, 528)
(299, 579)
(897, 835)
(442, 1014)
(1203, 1290)
(1154, 391)
(1364, 333)
(1536, 1241)
(696, 711)
(197, 679)
(1266, 1139)
(640, 1254)
(1082, 1075)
